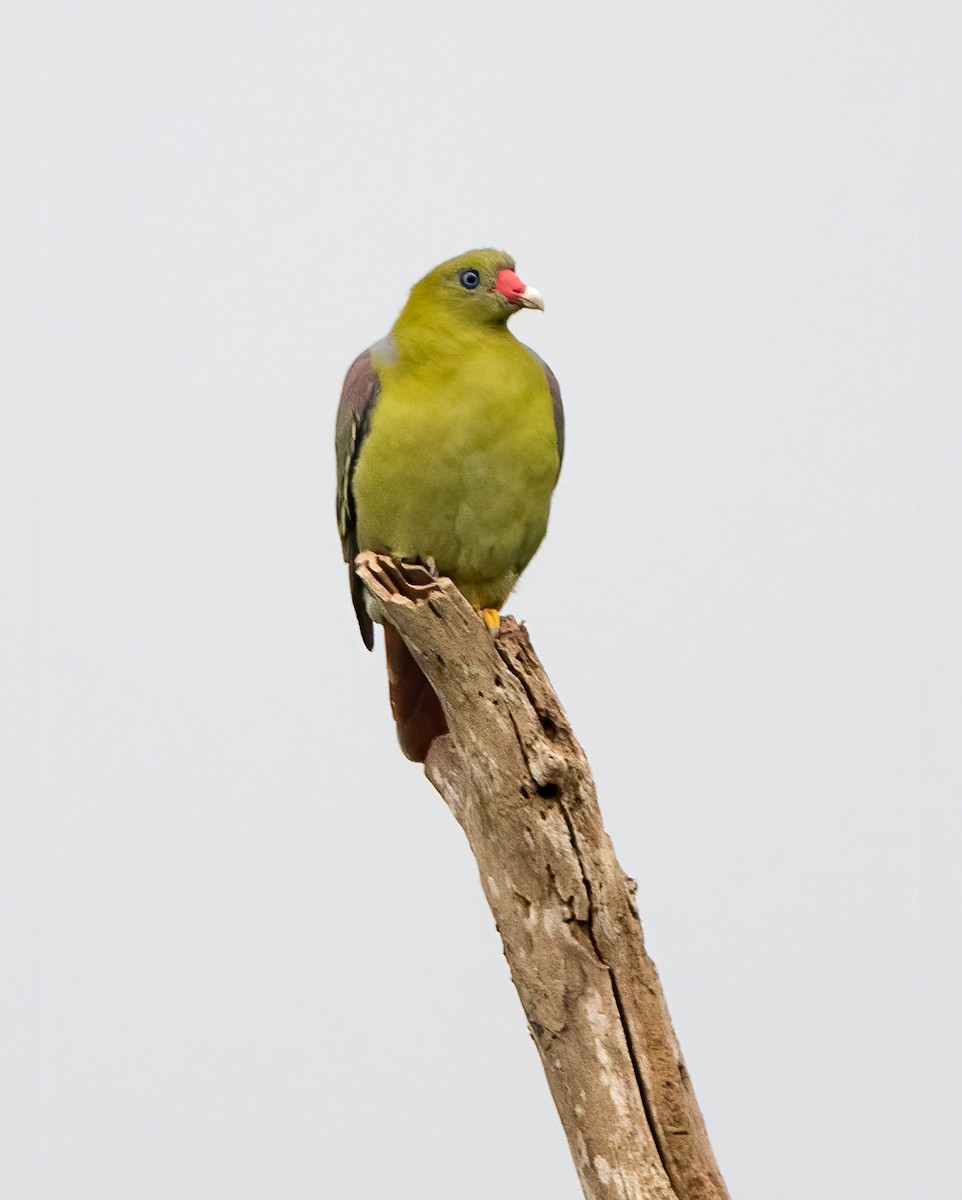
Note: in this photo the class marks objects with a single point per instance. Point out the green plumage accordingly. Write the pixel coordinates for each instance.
(449, 440)
(462, 446)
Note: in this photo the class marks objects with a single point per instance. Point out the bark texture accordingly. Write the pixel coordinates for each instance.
(519, 784)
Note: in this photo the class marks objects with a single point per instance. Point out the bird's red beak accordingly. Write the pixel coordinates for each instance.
(513, 289)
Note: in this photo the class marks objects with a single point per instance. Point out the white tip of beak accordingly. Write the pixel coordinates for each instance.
(531, 298)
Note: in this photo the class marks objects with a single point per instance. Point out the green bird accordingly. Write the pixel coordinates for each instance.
(449, 440)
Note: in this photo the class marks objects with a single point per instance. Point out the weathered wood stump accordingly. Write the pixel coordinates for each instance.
(519, 784)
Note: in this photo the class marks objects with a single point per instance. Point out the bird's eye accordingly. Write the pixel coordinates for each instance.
(469, 278)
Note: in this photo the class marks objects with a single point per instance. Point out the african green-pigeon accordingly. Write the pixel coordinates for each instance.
(449, 440)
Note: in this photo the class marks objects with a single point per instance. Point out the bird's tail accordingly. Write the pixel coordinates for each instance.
(414, 703)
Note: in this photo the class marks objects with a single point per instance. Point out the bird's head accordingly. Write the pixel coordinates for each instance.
(480, 286)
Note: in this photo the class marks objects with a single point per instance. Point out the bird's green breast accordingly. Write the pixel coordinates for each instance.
(460, 462)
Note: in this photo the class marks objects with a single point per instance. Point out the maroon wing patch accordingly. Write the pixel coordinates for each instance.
(358, 397)
(558, 408)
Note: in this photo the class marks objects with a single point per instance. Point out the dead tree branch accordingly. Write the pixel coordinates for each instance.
(519, 784)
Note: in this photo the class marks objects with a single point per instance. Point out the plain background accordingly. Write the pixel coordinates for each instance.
(248, 954)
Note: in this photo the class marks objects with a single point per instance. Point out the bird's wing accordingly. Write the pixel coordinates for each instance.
(358, 397)
(557, 407)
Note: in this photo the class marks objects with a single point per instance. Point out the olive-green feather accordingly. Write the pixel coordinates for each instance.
(450, 437)
(461, 453)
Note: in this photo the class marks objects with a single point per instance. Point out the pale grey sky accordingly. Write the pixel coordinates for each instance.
(257, 960)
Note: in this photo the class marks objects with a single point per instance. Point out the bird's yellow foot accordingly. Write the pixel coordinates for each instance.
(492, 618)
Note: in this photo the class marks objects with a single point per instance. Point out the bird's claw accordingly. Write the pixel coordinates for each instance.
(396, 577)
(416, 565)
(492, 618)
